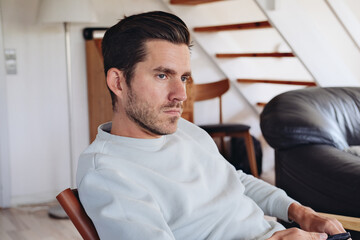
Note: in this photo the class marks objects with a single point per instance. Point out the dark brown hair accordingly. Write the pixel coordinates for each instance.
(123, 45)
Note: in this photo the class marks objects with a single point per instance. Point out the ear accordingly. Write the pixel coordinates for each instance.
(115, 81)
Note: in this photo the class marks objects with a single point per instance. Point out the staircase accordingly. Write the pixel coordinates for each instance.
(285, 63)
(255, 44)
(246, 83)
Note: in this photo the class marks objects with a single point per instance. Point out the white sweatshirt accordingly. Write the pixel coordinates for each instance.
(175, 187)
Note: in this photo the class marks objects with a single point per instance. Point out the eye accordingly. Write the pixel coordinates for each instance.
(184, 78)
(161, 76)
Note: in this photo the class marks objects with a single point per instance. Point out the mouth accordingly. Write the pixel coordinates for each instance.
(173, 111)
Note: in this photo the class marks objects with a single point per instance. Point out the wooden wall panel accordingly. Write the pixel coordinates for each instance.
(99, 100)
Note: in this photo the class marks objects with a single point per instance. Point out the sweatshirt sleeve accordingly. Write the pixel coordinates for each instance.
(121, 209)
(272, 200)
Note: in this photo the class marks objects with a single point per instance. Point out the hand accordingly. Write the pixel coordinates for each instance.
(296, 233)
(311, 221)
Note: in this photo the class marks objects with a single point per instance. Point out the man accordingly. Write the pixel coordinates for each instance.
(152, 175)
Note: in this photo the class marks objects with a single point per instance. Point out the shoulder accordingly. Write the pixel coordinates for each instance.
(87, 161)
(191, 131)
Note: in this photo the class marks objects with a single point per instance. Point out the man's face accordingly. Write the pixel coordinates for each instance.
(155, 97)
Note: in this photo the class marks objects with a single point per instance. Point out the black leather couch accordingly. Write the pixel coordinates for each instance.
(309, 130)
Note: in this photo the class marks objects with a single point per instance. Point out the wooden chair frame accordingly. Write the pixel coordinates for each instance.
(69, 200)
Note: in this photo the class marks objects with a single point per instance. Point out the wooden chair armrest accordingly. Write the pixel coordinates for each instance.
(350, 223)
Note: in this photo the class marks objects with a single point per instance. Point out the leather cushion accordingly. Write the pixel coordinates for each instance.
(313, 116)
(227, 128)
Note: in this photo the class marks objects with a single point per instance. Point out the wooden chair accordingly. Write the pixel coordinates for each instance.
(69, 200)
(201, 92)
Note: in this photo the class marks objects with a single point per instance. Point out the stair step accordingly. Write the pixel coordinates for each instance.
(192, 2)
(274, 54)
(240, 26)
(261, 104)
(300, 83)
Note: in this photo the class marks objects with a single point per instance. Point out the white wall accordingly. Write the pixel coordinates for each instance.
(36, 102)
(4, 137)
(354, 5)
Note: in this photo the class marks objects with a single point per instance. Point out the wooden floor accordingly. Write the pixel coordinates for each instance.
(33, 223)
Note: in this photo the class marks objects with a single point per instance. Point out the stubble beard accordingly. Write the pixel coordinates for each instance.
(149, 118)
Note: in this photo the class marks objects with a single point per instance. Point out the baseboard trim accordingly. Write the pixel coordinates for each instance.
(37, 198)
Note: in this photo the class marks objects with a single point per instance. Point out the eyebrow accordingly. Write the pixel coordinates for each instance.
(170, 71)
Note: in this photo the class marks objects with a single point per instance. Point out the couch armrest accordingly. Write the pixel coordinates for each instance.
(350, 223)
(320, 176)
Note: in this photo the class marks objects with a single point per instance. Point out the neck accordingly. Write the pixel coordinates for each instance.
(125, 127)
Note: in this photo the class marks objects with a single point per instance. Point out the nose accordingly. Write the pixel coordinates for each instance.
(177, 91)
